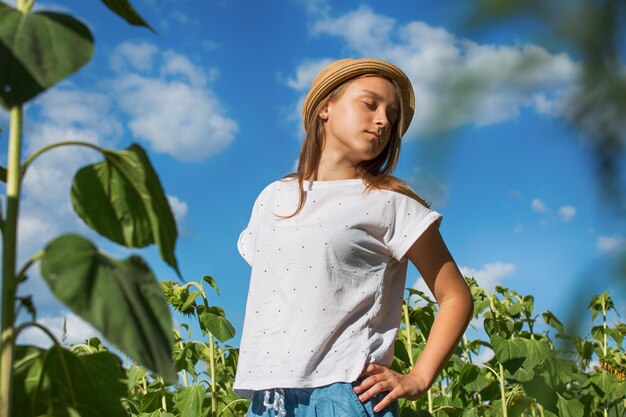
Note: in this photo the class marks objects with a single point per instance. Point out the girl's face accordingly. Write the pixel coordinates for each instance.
(357, 125)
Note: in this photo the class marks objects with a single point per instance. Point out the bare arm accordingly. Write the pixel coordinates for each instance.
(432, 259)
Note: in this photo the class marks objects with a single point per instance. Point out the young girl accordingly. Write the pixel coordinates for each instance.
(329, 245)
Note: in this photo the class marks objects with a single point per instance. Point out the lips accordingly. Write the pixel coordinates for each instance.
(375, 135)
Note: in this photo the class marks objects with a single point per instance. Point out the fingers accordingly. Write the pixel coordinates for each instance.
(389, 398)
(376, 389)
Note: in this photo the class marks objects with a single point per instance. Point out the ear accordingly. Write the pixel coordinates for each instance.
(323, 114)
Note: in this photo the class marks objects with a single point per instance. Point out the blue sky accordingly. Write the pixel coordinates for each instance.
(214, 99)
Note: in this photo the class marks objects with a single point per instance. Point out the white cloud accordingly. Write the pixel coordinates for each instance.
(489, 275)
(365, 31)
(179, 208)
(176, 65)
(611, 244)
(77, 331)
(518, 228)
(484, 355)
(176, 112)
(64, 115)
(456, 80)
(567, 213)
(78, 109)
(538, 206)
(306, 72)
(137, 56)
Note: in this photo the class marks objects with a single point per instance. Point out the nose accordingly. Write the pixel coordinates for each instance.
(381, 119)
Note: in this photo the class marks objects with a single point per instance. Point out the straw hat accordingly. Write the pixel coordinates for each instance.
(343, 70)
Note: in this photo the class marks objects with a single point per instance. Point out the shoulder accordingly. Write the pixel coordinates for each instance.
(398, 190)
(274, 186)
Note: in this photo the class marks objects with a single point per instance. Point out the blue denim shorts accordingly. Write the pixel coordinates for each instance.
(334, 400)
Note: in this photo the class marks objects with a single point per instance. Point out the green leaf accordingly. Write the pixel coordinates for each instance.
(515, 309)
(134, 375)
(543, 390)
(538, 350)
(125, 10)
(27, 364)
(190, 301)
(509, 352)
(121, 198)
(37, 50)
(618, 391)
(553, 322)
(472, 412)
(468, 374)
(602, 382)
(60, 383)
(400, 352)
(122, 299)
(502, 326)
(569, 408)
(214, 322)
(211, 281)
(189, 401)
(186, 358)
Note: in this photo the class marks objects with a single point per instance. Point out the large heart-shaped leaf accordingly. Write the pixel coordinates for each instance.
(570, 408)
(122, 299)
(122, 199)
(511, 353)
(538, 350)
(213, 320)
(57, 382)
(37, 50)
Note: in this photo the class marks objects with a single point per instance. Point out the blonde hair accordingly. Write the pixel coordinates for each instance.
(376, 172)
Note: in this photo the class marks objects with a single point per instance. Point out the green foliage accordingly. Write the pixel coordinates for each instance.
(57, 382)
(122, 299)
(126, 11)
(206, 371)
(37, 50)
(122, 199)
(527, 373)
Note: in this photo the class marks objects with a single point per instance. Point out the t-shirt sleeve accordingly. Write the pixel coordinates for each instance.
(408, 221)
(247, 238)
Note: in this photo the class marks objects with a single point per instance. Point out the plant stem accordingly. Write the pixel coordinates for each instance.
(466, 349)
(409, 341)
(213, 382)
(21, 276)
(22, 326)
(502, 390)
(38, 152)
(605, 409)
(9, 255)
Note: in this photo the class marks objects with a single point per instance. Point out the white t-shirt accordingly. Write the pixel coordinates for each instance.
(327, 285)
